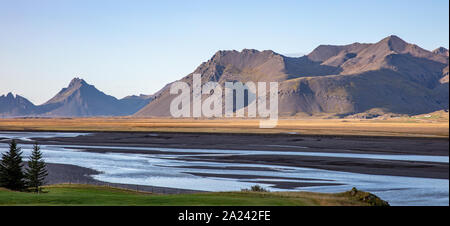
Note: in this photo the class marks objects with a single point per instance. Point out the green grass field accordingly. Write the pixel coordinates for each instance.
(90, 195)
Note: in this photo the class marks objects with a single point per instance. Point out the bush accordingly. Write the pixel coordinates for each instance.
(367, 197)
(256, 188)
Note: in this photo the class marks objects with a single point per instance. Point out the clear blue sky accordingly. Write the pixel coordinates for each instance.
(132, 47)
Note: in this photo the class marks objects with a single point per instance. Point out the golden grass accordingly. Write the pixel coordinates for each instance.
(401, 127)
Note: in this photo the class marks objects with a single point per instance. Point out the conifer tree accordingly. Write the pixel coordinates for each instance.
(11, 174)
(36, 171)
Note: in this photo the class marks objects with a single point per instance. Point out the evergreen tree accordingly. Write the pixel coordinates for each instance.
(36, 172)
(11, 174)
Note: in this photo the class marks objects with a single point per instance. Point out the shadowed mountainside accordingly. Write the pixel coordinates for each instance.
(17, 106)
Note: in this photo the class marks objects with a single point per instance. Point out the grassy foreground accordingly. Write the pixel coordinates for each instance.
(403, 127)
(90, 195)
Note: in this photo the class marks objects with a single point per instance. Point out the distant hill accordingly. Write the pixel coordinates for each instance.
(79, 99)
(442, 115)
(135, 103)
(392, 76)
(15, 106)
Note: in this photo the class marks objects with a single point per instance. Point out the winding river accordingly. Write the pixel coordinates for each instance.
(167, 170)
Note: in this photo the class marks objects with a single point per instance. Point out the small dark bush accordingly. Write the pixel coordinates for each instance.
(256, 188)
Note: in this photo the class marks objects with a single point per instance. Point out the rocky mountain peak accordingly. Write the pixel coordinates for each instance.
(441, 51)
(77, 82)
(393, 43)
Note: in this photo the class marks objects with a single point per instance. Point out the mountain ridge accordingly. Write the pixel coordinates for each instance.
(15, 105)
(78, 99)
(391, 75)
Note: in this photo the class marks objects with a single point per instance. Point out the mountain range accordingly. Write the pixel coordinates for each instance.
(79, 99)
(390, 76)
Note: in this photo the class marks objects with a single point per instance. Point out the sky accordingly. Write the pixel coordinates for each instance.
(131, 47)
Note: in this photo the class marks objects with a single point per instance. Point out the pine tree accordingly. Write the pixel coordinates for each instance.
(11, 174)
(36, 171)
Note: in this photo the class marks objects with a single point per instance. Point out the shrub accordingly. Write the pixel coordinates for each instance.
(256, 188)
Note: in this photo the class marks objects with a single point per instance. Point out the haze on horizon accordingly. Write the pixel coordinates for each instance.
(126, 48)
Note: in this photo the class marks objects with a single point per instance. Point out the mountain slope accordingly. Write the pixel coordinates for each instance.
(135, 103)
(80, 99)
(11, 106)
(391, 75)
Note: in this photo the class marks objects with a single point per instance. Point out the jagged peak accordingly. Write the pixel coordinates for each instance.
(243, 52)
(250, 51)
(77, 82)
(15, 97)
(10, 95)
(75, 85)
(393, 38)
(441, 51)
(234, 57)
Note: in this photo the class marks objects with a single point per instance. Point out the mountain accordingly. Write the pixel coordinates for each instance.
(11, 106)
(135, 103)
(81, 99)
(391, 76)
